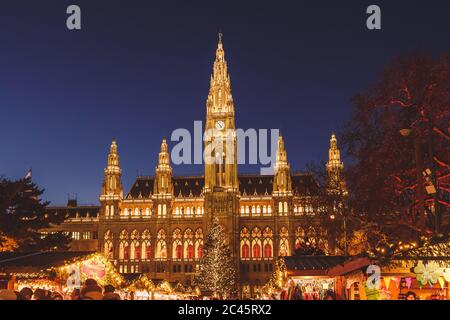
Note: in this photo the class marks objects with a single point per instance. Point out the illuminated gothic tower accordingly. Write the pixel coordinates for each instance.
(221, 181)
(163, 188)
(282, 184)
(220, 144)
(112, 192)
(282, 180)
(335, 167)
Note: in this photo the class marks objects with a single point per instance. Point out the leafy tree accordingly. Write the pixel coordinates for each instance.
(23, 215)
(217, 273)
(343, 230)
(386, 185)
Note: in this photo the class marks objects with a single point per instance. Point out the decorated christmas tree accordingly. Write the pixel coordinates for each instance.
(217, 274)
(278, 277)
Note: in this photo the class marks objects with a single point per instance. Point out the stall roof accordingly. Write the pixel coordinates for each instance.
(313, 262)
(40, 260)
(323, 265)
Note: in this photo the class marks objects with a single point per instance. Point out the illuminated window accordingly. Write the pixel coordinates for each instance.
(198, 243)
(146, 249)
(161, 248)
(177, 246)
(268, 242)
(123, 245)
(135, 248)
(86, 235)
(189, 252)
(284, 242)
(299, 237)
(75, 235)
(108, 244)
(256, 243)
(245, 244)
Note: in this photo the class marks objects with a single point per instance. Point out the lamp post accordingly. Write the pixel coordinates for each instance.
(408, 114)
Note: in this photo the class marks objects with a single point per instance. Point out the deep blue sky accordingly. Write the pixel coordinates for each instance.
(139, 69)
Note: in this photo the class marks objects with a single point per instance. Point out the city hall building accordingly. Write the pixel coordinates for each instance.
(159, 225)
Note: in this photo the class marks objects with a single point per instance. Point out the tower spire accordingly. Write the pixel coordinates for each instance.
(219, 97)
(163, 180)
(282, 179)
(335, 167)
(334, 155)
(112, 191)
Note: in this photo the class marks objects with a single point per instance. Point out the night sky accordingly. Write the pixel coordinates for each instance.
(140, 69)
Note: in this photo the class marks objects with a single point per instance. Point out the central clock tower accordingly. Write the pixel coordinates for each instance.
(221, 189)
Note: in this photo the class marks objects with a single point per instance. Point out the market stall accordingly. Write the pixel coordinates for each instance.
(60, 272)
(422, 273)
(144, 288)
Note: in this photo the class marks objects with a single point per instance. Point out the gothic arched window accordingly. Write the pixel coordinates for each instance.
(256, 243)
(123, 245)
(189, 244)
(245, 244)
(159, 210)
(268, 242)
(177, 246)
(146, 248)
(108, 244)
(299, 237)
(135, 249)
(284, 242)
(198, 243)
(161, 247)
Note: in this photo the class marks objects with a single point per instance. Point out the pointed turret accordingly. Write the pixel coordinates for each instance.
(282, 179)
(335, 167)
(112, 191)
(163, 180)
(112, 184)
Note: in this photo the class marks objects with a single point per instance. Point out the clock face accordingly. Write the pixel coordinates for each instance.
(220, 125)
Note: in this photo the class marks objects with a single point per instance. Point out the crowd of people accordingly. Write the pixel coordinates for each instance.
(90, 291)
